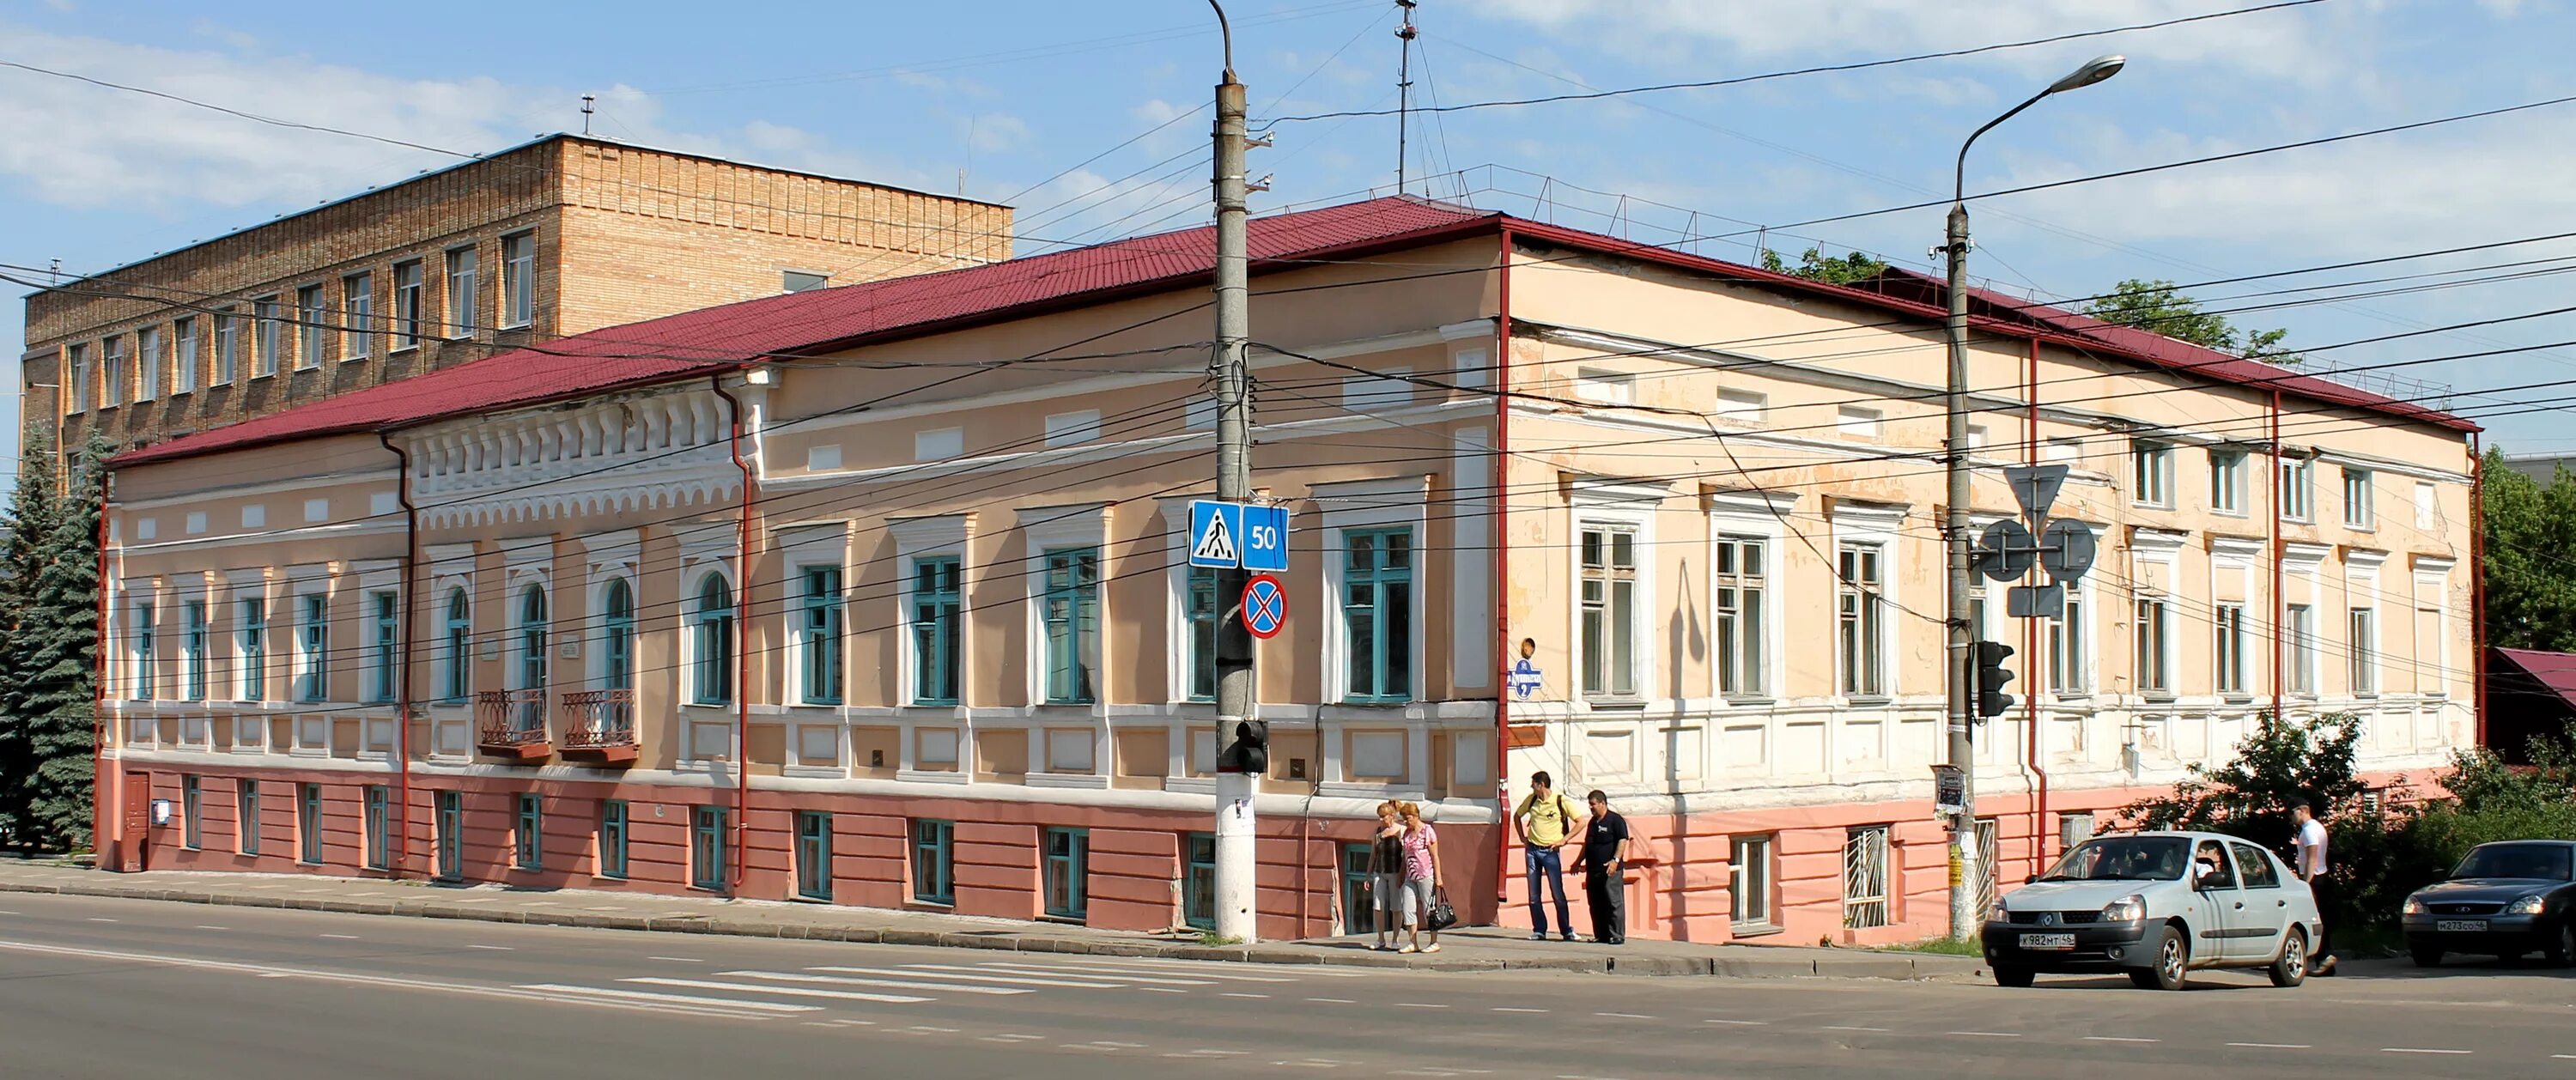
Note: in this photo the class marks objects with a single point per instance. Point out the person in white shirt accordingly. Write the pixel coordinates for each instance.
(2310, 865)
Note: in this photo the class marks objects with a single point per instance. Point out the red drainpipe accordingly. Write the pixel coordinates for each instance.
(2030, 636)
(1502, 575)
(2280, 610)
(741, 654)
(2477, 581)
(410, 593)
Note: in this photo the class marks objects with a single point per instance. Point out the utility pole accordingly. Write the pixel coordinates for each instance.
(1403, 87)
(1237, 780)
(1965, 918)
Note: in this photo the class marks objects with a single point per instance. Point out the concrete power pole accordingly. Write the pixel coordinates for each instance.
(1238, 776)
(1964, 919)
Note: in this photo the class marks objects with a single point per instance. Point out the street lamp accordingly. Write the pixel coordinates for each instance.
(1963, 856)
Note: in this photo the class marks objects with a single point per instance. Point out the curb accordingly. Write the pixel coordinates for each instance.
(1878, 966)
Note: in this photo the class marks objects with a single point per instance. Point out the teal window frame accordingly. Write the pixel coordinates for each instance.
(246, 815)
(312, 646)
(1378, 606)
(1200, 613)
(1070, 613)
(379, 815)
(1198, 880)
(612, 838)
(192, 651)
(528, 833)
(707, 848)
(820, 637)
(1359, 889)
(251, 639)
(617, 655)
(814, 854)
(192, 803)
(448, 811)
(938, 604)
(384, 669)
(1067, 873)
(712, 642)
(533, 630)
(458, 632)
(934, 866)
(146, 684)
(308, 824)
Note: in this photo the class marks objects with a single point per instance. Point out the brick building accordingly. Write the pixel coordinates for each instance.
(558, 236)
(880, 596)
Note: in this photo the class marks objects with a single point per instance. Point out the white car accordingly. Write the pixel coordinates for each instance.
(2157, 905)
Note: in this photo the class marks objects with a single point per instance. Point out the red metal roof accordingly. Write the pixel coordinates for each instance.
(699, 343)
(2555, 670)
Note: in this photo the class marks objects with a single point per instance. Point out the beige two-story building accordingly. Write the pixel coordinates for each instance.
(876, 594)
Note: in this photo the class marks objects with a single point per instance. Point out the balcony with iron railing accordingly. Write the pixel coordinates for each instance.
(512, 724)
(599, 725)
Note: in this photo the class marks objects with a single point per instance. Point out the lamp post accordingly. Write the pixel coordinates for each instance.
(1964, 916)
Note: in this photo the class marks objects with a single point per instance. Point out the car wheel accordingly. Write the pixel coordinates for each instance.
(2291, 967)
(2173, 964)
(2426, 956)
(2562, 951)
(2013, 976)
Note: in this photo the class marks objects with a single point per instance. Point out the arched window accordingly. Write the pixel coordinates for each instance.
(711, 652)
(459, 684)
(618, 655)
(532, 638)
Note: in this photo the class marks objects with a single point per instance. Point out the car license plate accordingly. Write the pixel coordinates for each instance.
(2048, 941)
(2461, 926)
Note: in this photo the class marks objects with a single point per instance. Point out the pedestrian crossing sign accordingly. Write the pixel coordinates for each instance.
(1213, 529)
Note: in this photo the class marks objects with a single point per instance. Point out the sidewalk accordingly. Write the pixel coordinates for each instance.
(1465, 949)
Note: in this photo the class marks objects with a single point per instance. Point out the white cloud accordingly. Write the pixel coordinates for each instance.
(993, 132)
(76, 145)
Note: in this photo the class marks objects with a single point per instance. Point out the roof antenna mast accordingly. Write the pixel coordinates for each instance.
(586, 110)
(1403, 86)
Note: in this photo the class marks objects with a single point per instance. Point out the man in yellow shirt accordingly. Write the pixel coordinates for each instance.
(1547, 822)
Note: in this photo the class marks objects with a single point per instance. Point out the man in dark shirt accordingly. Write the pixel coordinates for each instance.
(1604, 859)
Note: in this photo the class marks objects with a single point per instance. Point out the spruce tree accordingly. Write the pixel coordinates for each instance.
(63, 651)
(34, 516)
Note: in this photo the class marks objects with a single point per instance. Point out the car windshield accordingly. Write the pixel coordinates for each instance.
(2122, 858)
(2548, 862)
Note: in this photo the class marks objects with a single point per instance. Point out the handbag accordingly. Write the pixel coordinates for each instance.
(1441, 916)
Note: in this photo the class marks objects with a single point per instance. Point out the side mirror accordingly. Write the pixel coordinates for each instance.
(2030, 880)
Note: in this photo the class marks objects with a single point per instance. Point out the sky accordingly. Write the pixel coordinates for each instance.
(1081, 115)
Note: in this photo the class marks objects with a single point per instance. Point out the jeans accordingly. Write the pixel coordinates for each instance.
(1606, 891)
(1550, 862)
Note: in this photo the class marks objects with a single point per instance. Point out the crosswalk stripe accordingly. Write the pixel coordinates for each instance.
(1286, 972)
(1105, 967)
(1083, 972)
(684, 999)
(910, 984)
(1016, 980)
(796, 991)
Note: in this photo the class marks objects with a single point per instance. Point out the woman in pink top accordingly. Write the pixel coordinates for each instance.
(1421, 878)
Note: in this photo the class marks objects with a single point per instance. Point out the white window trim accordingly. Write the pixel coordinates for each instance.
(609, 557)
(1176, 607)
(913, 539)
(1754, 515)
(129, 595)
(698, 558)
(2159, 456)
(2243, 458)
(240, 585)
(1367, 504)
(807, 547)
(2238, 556)
(307, 580)
(2369, 521)
(1873, 523)
(2158, 549)
(1048, 527)
(509, 281)
(2087, 626)
(1622, 507)
(2432, 578)
(2306, 488)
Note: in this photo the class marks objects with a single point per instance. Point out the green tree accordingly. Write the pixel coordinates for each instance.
(2161, 307)
(2281, 764)
(52, 656)
(34, 515)
(2531, 582)
(1832, 269)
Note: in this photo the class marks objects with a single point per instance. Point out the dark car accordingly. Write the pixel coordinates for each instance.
(2505, 900)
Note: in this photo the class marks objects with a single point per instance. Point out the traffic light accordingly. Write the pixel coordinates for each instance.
(1991, 677)
(1250, 750)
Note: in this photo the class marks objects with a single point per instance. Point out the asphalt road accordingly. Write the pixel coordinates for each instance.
(115, 988)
